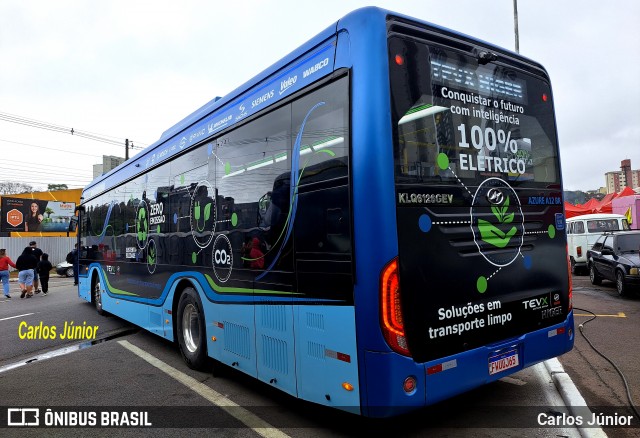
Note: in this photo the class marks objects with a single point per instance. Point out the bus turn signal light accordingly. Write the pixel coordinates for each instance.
(348, 386)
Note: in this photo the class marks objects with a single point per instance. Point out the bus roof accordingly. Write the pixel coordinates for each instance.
(307, 56)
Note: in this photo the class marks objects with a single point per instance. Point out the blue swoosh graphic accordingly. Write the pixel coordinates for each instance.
(293, 189)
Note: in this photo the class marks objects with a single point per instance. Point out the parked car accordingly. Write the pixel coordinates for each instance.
(65, 269)
(584, 230)
(616, 257)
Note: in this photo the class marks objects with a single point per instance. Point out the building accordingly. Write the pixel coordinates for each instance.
(615, 181)
(109, 162)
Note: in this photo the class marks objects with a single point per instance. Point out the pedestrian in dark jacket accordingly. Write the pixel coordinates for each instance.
(44, 268)
(26, 265)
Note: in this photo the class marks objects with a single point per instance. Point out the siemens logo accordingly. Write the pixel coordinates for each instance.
(262, 99)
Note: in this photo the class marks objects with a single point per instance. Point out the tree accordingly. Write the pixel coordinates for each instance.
(52, 187)
(12, 188)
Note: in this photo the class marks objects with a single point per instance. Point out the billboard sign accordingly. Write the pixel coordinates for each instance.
(21, 214)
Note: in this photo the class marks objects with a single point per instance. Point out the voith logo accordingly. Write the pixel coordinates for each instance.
(14, 217)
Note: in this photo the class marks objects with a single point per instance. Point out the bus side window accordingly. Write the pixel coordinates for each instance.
(322, 230)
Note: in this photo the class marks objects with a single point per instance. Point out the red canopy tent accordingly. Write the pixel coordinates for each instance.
(604, 206)
(595, 206)
(591, 204)
(571, 210)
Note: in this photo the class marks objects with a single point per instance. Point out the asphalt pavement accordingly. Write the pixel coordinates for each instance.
(565, 386)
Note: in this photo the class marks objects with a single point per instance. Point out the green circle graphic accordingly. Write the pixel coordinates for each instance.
(552, 231)
(443, 161)
(234, 219)
(481, 284)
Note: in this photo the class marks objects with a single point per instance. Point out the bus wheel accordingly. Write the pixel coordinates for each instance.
(96, 295)
(191, 330)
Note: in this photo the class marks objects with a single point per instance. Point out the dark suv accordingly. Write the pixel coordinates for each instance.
(616, 257)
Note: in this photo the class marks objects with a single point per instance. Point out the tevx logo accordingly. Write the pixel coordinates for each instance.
(536, 303)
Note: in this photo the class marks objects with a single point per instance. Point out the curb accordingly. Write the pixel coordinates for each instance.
(572, 398)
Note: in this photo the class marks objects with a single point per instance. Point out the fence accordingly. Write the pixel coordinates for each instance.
(56, 247)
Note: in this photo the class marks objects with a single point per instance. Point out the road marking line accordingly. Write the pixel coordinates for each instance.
(18, 316)
(619, 315)
(264, 429)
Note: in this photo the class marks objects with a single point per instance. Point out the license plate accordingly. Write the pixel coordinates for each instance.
(503, 361)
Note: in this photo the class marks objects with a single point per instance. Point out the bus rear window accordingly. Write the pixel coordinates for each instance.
(458, 119)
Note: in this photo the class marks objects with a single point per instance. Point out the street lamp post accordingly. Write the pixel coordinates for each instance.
(515, 24)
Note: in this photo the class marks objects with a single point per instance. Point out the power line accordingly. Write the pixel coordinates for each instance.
(51, 149)
(67, 130)
(37, 174)
(48, 182)
(43, 167)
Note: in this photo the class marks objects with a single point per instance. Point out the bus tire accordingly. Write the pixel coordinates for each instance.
(191, 332)
(96, 296)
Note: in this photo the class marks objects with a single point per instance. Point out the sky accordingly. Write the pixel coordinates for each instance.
(116, 70)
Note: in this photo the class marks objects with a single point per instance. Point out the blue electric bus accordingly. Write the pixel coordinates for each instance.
(373, 223)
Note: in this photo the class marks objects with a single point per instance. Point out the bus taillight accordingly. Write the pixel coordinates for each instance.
(391, 310)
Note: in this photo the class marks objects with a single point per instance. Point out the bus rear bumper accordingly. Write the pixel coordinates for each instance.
(444, 378)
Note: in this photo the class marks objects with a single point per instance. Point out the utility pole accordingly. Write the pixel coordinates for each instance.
(515, 24)
(126, 147)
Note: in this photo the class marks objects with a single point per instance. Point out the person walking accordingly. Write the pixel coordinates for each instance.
(26, 265)
(37, 252)
(44, 269)
(73, 258)
(5, 262)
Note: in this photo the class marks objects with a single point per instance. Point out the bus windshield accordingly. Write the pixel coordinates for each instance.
(481, 120)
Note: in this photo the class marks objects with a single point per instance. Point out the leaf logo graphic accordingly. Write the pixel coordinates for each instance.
(491, 233)
(151, 256)
(142, 225)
